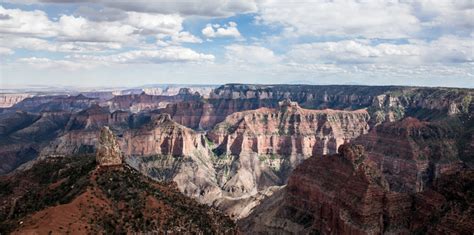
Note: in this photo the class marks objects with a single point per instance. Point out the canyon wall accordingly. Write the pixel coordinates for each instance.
(8, 100)
(348, 193)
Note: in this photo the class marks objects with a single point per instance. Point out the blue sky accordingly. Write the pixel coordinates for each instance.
(129, 43)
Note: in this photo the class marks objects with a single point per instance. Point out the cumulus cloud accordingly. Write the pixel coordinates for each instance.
(16, 21)
(251, 54)
(207, 8)
(443, 50)
(217, 31)
(165, 55)
(381, 19)
(185, 37)
(369, 19)
(33, 30)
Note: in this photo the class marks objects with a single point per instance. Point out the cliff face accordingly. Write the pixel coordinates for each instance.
(8, 100)
(23, 135)
(38, 104)
(386, 103)
(349, 194)
(168, 151)
(245, 158)
(162, 136)
(414, 153)
(383, 103)
(205, 114)
(137, 103)
(289, 130)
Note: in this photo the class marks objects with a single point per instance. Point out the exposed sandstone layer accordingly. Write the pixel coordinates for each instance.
(413, 153)
(289, 130)
(39, 104)
(137, 103)
(166, 151)
(348, 194)
(384, 103)
(108, 151)
(8, 100)
(242, 173)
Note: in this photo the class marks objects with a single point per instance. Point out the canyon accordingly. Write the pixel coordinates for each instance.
(274, 158)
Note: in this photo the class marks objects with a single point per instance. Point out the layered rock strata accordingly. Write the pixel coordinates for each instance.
(347, 193)
(289, 130)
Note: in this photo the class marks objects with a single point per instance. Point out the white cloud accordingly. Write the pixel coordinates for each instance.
(15, 21)
(46, 63)
(37, 44)
(251, 54)
(444, 50)
(208, 8)
(80, 29)
(352, 51)
(6, 51)
(216, 31)
(371, 19)
(185, 37)
(165, 55)
(155, 23)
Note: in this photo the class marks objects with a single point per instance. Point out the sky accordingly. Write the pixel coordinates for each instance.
(101, 43)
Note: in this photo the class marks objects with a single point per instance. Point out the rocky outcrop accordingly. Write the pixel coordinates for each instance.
(71, 195)
(168, 151)
(108, 151)
(205, 114)
(8, 100)
(414, 153)
(137, 103)
(289, 130)
(23, 135)
(81, 131)
(385, 103)
(39, 104)
(347, 193)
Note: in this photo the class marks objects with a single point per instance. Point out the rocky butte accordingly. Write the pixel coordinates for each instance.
(108, 152)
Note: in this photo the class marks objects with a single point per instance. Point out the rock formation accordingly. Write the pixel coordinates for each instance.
(414, 153)
(137, 103)
(71, 195)
(39, 104)
(168, 151)
(241, 173)
(289, 130)
(349, 194)
(8, 100)
(108, 151)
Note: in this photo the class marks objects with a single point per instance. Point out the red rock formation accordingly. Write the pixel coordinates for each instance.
(289, 130)
(136, 103)
(342, 194)
(348, 194)
(412, 153)
(162, 136)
